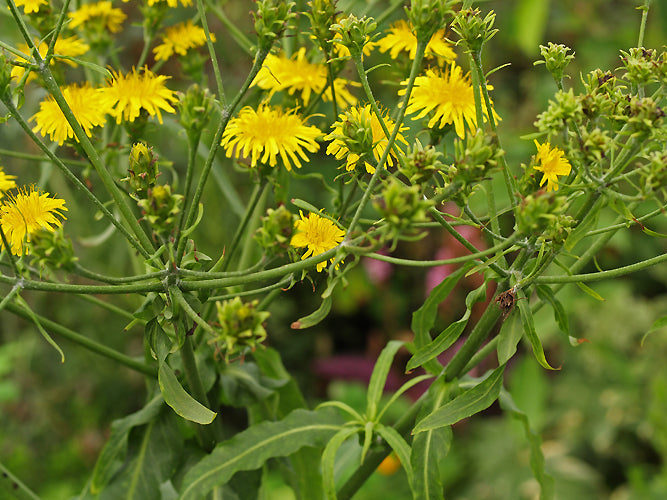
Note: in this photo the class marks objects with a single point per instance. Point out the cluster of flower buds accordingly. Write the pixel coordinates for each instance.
(52, 250)
(643, 66)
(273, 236)
(543, 214)
(241, 327)
(429, 16)
(355, 33)
(322, 14)
(473, 30)
(159, 206)
(195, 106)
(271, 20)
(556, 58)
(421, 162)
(401, 207)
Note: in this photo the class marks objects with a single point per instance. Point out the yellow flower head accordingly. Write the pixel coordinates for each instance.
(552, 163)
(318, 234)
(297, 74)
(126, 95)
(86, 104)
(268, 132)
(171, 3)
(6, 182)
(358, 132)
(402, 39)
(450, 95)
(179, 39)
(71, 46)
(101, 12)
(30, 6)
(26, 213)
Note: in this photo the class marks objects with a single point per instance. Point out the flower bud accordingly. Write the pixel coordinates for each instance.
(241, 326)
(160, 208)
(543, 214)
(641, 65)
(51, 250)
(643, 116)
(429, 16)
(556, 58)
(473, 30)
(355, 33)
(271, 20)
(276, 230)
(196, 107)
(142, 172)
(421, 163)
(401, 206)
(566, 109)
(322, 15)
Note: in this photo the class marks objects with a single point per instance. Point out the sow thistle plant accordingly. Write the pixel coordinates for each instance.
(337, 166)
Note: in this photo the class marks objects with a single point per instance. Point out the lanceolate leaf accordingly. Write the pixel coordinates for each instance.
(468, 403)
(113, 454)
(423, 318)
(449, 335)
(329, 460)
(180, 401)
(529, 331)
(430, 447)
(151, 462)
(249, 449)
(545, 293)
(316, 316)
(400, 447)
(536, 456)
(379, 377)
(657, 324)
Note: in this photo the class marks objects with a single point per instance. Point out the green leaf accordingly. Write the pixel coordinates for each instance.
(469, 402)
(529, 330)
(545, 481)
(11, 487)
(449, 335)
(329, 460)
(423, 318)
(546, 294)
(316, 316)
(174, 395)
(508, 338)
(113, 454)
(591, 292)
(400, 447)
(530, 19)
(379, 377)
(249, 449)
(153, 458)
(95, 67)
(180, 401)
(429, 449)
(657, 324)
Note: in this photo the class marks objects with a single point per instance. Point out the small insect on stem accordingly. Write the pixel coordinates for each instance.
(506, 301)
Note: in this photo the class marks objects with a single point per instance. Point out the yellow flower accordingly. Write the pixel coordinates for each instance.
(30, 6)
(179, 39)
(100, 12)
(318, 234)
(358, 132)
(71, 46)
(86, 104)
(552, 163)
(170, 3)
(402, 39)
(267, 132)
(127, 95)
(297, 74)
(6, 182)
(450, 95)
(28, 212)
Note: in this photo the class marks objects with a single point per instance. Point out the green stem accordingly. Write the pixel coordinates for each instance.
(450, 229)
(119, 198)
(211, 51)
(416, 64)
(39, 158)
(226, 257)
(85, 342)
(642, 26)
(226, 116)
(45, 286)
(231, 28)
(86, 273)
(9, 104)
(603, 275)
